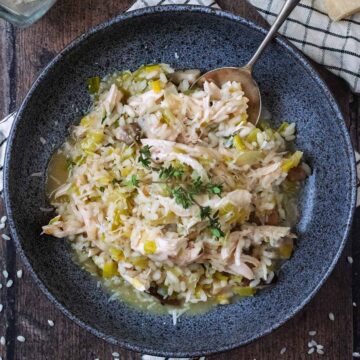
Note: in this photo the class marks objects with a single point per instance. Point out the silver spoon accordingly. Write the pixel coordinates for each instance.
(244, 74)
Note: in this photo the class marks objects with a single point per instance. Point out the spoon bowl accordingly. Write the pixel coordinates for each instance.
(243, 76)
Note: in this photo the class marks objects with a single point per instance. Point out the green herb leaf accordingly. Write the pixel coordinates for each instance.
(217, 232)
(205, 212)
(215, 226)
(215, 189)
(182, 197)
(103, 119)
(134, 181)
(145, 156)
(101, 188)
(145, 151)
(170, 173)
(196, 187)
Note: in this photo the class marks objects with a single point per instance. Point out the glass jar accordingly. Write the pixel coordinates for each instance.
(24, 12)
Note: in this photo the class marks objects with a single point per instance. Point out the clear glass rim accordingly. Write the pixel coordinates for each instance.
(23, 21)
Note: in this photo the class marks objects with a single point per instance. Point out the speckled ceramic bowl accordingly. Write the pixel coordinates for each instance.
(205, 39)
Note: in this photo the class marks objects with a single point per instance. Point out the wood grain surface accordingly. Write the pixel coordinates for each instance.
(23, 53)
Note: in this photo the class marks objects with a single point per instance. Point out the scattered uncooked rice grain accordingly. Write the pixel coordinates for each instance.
(36, 174)
(115, 354)
(350, 259)
(6, 274)
(312, 333)
(320, 352)
(5, 237)
(51, 323)
(19, 274)
(3, 220)
(282, 351)
(320, 347)
(2, 340)
(2, 226)
(1, 307)
(49, 209)
(356, 354)
(20, 338)
(9, 283)
(312, 343)
(354, 304)
(331, 316)
(176, 55)
(311, 351)
(42, 140)
(0, 286)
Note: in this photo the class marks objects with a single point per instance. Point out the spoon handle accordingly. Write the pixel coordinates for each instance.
(284, 13)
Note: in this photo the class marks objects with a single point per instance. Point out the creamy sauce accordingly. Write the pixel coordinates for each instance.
(57, 173)
(121, 290)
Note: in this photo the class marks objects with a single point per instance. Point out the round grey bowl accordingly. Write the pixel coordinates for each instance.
(205, 39)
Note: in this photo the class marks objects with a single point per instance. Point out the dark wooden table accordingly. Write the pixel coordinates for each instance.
(23, 53)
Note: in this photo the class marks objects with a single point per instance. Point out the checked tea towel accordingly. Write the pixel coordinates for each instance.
(334, 44)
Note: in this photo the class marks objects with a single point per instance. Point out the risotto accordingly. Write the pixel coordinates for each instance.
(171, 191)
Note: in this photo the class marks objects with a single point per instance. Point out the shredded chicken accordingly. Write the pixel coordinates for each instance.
(171, 191)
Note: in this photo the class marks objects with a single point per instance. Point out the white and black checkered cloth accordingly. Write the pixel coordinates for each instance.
(334, 44)
(145, 3)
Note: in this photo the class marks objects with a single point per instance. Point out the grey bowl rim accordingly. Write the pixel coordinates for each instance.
(286, 45)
